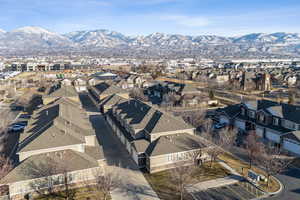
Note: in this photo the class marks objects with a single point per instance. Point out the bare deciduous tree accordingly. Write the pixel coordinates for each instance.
(223, 140)
(253, 147)
(106, 180)
(227, 137)
(4, 125)
(195, 156)
(52, 178)
(196, 119)
(181, 177)
(169, 100)
(5, 166)
(272, 161)
(138, 93)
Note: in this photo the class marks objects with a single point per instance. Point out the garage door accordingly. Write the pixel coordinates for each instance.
(240, 124)
(273, 137)
(80, 88)
(259, 132)
(292, 147)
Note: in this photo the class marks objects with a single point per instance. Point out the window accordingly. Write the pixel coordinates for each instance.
(251, 114)
(275, 121)
(261, 117)
(177, 157)
(288, 124)
(243, 111)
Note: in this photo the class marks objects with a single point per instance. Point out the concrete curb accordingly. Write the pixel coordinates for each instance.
(268, 194)
(271, 194)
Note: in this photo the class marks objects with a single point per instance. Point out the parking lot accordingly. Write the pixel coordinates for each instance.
(230, 192)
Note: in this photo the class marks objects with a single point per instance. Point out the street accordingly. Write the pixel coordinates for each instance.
(291, 181)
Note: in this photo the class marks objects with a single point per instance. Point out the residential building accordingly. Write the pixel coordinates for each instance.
(59, 90)
(156, 140)
(59, 132)
(80, 84)
(276, 123)
(104, 89)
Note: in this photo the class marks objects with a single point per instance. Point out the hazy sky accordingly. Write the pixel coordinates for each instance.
(137, 17)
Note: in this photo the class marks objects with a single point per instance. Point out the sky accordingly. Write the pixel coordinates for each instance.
(142, 17)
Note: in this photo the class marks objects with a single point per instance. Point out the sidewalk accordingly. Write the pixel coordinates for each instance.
(133, 186)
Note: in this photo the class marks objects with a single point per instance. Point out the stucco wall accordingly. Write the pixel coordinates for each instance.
(163, 162)
(90, 140)
(22, 188)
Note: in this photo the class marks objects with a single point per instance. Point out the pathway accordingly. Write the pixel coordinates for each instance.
(133, 185)
(219, 182)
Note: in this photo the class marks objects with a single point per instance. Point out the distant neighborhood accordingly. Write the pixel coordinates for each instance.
(77, 131)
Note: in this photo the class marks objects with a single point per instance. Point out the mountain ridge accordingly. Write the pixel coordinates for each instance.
(36, 39)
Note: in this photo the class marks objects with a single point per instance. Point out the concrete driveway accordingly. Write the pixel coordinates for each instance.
(133, 185)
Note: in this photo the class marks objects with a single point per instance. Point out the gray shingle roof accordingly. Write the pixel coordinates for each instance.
(295, 135)
(112, 100)
(282, 110)
(174, 143)
(231, 110)
(61, 91)
(107, 89)
(276, 111)
(58, 124)
(143, 116)
(141, 145)
(72, 159)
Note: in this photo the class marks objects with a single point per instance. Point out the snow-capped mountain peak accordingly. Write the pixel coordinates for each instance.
(33, 30)
(2, 31)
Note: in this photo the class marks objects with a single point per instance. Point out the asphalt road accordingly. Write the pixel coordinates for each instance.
(230, 192)
(291, 181)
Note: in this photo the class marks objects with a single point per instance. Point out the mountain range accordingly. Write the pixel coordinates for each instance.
(37, 40)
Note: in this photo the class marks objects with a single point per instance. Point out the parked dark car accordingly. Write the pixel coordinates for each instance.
(16, 128)
(219, 125)
(16, 108)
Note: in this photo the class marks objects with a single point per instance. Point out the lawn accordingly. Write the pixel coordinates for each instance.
(83, 193)
(243, 167)
(162, 184)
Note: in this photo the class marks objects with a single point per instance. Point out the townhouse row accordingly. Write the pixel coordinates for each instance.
(276, 123)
